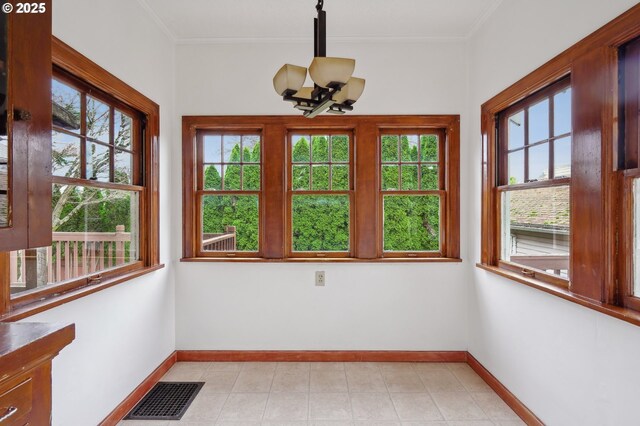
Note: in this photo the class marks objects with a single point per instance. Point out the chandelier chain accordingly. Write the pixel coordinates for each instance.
(319, 5)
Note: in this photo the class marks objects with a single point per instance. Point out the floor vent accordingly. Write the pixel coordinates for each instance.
(166, 401)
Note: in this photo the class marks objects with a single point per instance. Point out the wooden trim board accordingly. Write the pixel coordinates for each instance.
(322, 356)
(134, 397)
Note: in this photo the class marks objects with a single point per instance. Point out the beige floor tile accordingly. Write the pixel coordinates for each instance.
(254, 381)
(219, 381)
(142, 423)
(372, 407)
(396, 367)
(424, 367)
(284, 423)
(228, 423)
(436, 423)
(244, 406)
(205, 408)
(329, 406)
(441, 381)
(287, 406)
(361, 366)
(471, 423)
(290, 381)
(403, 381)
(259, 366)
(518, 422)
(470, 380)
(494, 406)
(329, 423)
(326, 366)
(415, 406)
(458, 406)
(293, 366)
(185, 371)
(365, 380)
(225, 366)
(328, 381)
(377, 423)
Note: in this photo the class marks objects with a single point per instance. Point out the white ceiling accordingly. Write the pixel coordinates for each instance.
(236, 20)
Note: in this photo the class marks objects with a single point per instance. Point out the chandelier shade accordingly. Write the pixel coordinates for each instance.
(334, 89)
(351, 91)
(324, 71)
(289, 78)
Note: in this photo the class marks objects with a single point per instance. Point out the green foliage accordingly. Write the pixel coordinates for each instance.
(320, 222)
(411, 223)
(300, 152)
(241, 211)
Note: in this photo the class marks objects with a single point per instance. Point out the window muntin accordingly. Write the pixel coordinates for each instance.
(636, 237)
(96, 205)
(412, 192)
(229, 192)
(320, 193)
(534, 183)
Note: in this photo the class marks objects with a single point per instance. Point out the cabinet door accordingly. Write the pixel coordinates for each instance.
(25, 129)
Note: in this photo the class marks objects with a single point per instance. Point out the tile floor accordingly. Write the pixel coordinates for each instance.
(372, 394)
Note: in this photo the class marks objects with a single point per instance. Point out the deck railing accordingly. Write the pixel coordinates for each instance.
(73, 255)
(220, 242)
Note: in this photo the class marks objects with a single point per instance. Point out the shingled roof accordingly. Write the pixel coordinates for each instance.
(541, 208)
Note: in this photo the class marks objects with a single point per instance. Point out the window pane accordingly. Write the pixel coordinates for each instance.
(251, 178)
(301, 149)
(320, 222)
(122, 129)
(231, 177)
(97, 120)
(516, 167)
(65, 155)
(409, 147)
(319, 149)
(340, 178)
(409, 177)
(94, 230)
(636, 238)
(429, 148)
(539, 122)
(251, 149)
(389, 149)
(411, 223)
(390, 177)
(230, 222)
(320, 178)
(562, 157)
(213, 176)
(300, 178)
(535, 228)
(340, 148)
(212, 147)
(430, 179)
(65, 106)
(515, 130)
(123, 167)
(562, 112)
(98, 162)
(539, 162)
(231, 144)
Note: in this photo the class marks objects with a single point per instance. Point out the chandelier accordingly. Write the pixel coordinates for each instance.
(334, 89)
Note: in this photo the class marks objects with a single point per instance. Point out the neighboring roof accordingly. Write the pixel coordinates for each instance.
(63, 118)
(540, 209)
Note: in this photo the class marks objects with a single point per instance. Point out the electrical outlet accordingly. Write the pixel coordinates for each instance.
(320, 278)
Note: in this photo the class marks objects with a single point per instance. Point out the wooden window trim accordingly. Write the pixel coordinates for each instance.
(84, 70)
(366, 245)
(593, 66)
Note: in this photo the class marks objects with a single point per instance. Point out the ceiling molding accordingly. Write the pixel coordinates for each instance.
(154, 16)
(483, 18)
(306, 40)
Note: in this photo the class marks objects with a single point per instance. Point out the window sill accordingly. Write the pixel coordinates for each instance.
(42, 305)
(624, 314)
(324, 260)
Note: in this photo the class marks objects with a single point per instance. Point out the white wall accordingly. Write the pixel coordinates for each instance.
(276, 306)
(569, 364)
(125, 332)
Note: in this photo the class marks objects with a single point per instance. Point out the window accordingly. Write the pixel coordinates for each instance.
(320, 195)
(560, 174)
(411, 192)
(104, 185)
(316, 191)
(229, 190)
(534, 183)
